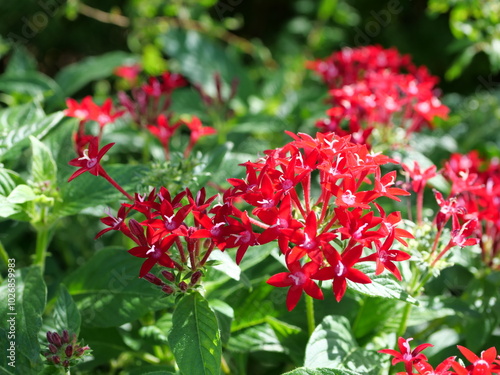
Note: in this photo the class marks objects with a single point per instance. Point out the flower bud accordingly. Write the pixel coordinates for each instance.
(69, 351)
(168, 275)
(183, 286)
(52, 348)
(65, 336)
(55, 360)
(66, 363)
(196, 277)
(56, 339)
(167, 289)
(153, 279)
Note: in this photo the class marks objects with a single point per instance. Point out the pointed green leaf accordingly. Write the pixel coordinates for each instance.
(383, 285)
(195, 337)
(43, 166)
(65, 314)
(330, 343)
(75, 76)
(321, 371)
(18, 123)
(28, 290)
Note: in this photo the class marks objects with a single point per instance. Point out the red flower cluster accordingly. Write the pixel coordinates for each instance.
(87, 111)
(152, 98)
(487, 364)
(475, 188)
(373, 87)
(322, 237)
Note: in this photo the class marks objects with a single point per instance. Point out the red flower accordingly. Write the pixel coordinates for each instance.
(341, 268)
(419, 178)
(406, 355)
(298, 279)
(484, 365)
(129, 72)
(79, 110)
(155, 251)
(425, 368)
(384, 257)
(197, 131)
(89, 161)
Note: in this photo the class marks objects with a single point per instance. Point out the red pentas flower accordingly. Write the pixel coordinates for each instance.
(486, 364)
(341, 268)
(299, 280)
(90, 160)
(372, 88)
(406, 355)
(129, 72)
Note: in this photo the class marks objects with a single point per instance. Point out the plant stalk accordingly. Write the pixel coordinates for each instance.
(311, 323)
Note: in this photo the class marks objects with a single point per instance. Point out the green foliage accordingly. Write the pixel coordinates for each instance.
(26, 315)
(195, 337)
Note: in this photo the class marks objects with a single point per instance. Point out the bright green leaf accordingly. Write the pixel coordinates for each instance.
(383, 285)
(195, 337)
(65, 314)
(321, 371)
(26, 314)
(330, 343)
(43, 166)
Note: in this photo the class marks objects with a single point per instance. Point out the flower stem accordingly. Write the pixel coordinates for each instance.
(311, 324)
(42, 243)
(115, 184)
(3, 255)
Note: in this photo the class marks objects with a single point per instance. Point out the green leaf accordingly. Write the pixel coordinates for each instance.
(43, 165)
(18, 123)
(460, 63)
(26, 314)
(65, 314)
(366, 362)
(8, 181)
(108, 291)
(21, 194)
(37, 86)
(321, 371)
(89, 191)
(330, 343)
(195, 337)
(225, 316)
(227, 265)
(76, 76)
(383, 285)
(21, 61)
(254, 339)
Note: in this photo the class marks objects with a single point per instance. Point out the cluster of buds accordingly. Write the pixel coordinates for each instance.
(373, 88)
(219, 103)
(152, 98)
(64, 350)
(488, 363)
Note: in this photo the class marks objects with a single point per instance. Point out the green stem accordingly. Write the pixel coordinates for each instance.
(42, 243)
(311, 324)
(3, 255)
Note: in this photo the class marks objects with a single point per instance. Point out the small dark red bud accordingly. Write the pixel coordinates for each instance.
(56, 360)
(53, 348)
(56, 339)
(153, 279)
(66, 363)
(65, 336)
(168, 275)
(69, 351)
(49, 337)
(196, 277)
(136, 228)
(167, 289)
(183, 286)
